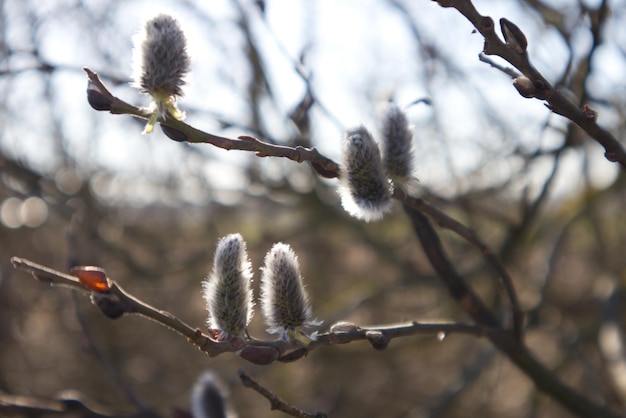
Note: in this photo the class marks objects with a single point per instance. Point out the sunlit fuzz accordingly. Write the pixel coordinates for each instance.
(284, 299)
(365, 190)
(396, 144)
(160, 63)
(227, 289)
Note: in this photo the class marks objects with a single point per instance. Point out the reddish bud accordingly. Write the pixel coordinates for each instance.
(95, 278)
(590, 113)
(259, 355)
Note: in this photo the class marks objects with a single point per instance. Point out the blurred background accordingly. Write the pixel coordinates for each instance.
(85, 187)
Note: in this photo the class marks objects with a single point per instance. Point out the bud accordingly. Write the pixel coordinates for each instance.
(284, 299)
(525, 87)
(110, 305)
(365, 189)
(209, 398)
(261, 355)
(227, 289)
(513, 36)
(160, 63)
(96, 99)
(379, 340)
(173, 133)
(397, 144)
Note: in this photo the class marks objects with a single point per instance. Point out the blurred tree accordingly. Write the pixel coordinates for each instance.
(84, 187)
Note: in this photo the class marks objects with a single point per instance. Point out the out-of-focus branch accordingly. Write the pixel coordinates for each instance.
(513, 50)
(515, 349)
(67, 403)
(102, 99)
(276, 404)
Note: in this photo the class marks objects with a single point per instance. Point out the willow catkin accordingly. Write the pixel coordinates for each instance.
(284, 299)
(160, 64)
(364, 186)
(396, 144)
(227, 289)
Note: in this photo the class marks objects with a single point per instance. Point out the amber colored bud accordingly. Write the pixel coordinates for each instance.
(93, 277)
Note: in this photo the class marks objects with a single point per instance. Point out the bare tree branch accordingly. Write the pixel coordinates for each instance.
(513, 50)
(470, 235)
(519, 354)
(180, 131)
(115, 302)
(276, 404)
(67, 403)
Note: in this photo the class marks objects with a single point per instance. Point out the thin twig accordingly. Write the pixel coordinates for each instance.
(276, 404)
(180, 131)
(508, 343)
(116, 302)
(326, 168)
(516, 55)
(470, 236)
(506, 70)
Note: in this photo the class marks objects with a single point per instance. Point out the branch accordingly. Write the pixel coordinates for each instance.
(323, 166)
(276, 404)
(67, 403)
(470, 236)
(508, 343)
(101, 98)
(513, 50)
(114, 302)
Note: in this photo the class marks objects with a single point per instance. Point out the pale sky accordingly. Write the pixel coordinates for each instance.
(361, 52)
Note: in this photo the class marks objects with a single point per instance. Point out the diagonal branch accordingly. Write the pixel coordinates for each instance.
(514, 52)
(101, 98)
(470, 236)
(508, 343)
(323, 165)
(276, 403)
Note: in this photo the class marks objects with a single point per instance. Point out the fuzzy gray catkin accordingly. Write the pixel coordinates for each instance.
(284, 299)
(396, 144)
(160, 64)
(209, 398)
(364, 188)
(227, 289)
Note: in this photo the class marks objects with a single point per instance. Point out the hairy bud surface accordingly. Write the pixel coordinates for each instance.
(227, 289)
(365, 189)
